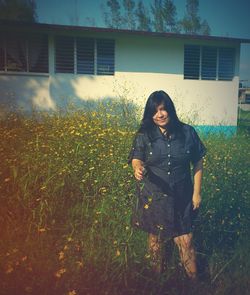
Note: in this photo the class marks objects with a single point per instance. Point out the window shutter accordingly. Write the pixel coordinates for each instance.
(191, 62)
(64, 51)
(85, 49)
(24, 53)
(105, 57)
(226, 63)
(209, 60)
(216, 63)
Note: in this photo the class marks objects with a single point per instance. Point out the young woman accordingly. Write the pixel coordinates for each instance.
(168, 198)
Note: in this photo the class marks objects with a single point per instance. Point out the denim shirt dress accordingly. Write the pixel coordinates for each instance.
(164, 195)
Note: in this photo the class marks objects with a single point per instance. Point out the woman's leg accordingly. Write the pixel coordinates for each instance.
(155, 252)
(187, 254)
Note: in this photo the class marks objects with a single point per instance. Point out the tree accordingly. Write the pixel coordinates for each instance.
(191, 20)
(113, 18)
(20, 10)
(163, 14)
(129, 21)
(205, 28)
(156, 9)
(191, 23)
(169, 16)
(143, 19)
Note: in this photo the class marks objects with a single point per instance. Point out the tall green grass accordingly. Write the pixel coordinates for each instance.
(66, 197)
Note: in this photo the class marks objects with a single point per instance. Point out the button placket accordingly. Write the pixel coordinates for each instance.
(169, 156)
(149, 151)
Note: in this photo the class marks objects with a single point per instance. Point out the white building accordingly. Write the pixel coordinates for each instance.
(244, 98)
(47, 66)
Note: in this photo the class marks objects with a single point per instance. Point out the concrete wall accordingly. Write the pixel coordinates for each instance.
(143, 64)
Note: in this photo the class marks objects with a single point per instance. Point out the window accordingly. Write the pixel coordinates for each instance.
(22, 53)
(226, 63)
(209, 62)
(64, 55)
(105, 57)
(84, 56)
(192, 62)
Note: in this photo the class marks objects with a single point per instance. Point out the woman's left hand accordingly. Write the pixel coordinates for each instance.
(196, 200)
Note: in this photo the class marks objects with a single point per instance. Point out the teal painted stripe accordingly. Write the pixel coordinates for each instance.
(210, 129)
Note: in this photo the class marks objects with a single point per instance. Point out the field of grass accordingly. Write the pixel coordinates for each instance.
(66, 197)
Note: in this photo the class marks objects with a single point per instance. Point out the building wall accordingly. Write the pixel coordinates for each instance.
(143, 64)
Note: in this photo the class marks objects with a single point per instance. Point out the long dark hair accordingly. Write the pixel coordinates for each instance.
(155, 99)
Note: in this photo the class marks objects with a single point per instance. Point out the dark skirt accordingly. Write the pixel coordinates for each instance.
(162, 209)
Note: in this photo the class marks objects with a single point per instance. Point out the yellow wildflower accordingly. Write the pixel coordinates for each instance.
(41, 230)
(9, 269)
(61, 255)
(79, 264)
(60, 272)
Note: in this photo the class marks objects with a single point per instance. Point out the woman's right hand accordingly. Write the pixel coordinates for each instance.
(138, 169)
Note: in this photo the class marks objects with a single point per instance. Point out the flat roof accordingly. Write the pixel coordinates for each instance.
(53, 27)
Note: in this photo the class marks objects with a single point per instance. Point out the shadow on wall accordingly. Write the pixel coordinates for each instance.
(22, 93)
(58, 93)
(25, 94)
(68, 90)
(34, 96)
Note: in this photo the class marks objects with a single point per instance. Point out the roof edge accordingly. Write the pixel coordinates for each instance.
(123, 31)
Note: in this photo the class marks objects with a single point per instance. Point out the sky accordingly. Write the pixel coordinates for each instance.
(228, 18)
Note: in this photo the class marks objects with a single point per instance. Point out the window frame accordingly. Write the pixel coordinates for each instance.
(95, 63)
(64, 45)
(14, 44)
(205, 67)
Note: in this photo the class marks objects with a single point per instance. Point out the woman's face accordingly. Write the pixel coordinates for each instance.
(161, 117)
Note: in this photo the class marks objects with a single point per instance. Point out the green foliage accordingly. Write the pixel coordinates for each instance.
(66, 197)
(112, 17)
(129, 21)
(161, 18)
(156, 10)
(169, 16)
(191, 23)
(164, 16)
(144, 22)
(20, 10)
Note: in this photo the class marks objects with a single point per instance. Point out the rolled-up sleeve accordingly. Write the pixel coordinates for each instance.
(199, 150)
(138, 148)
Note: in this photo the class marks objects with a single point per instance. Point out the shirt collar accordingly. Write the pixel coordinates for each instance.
(155, 133)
